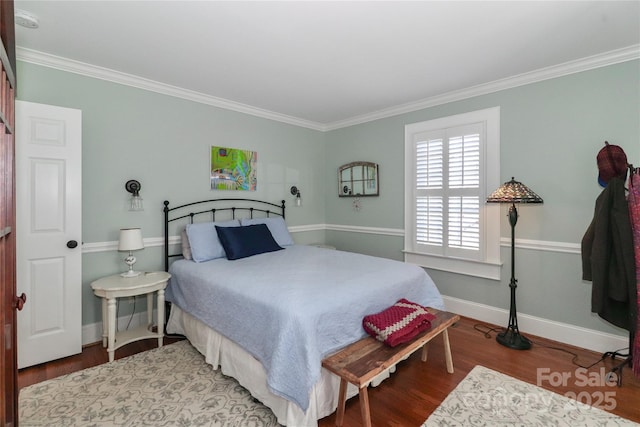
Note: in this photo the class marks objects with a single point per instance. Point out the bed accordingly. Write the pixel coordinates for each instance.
(266, 310)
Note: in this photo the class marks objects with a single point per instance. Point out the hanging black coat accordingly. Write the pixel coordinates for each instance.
(608, 258)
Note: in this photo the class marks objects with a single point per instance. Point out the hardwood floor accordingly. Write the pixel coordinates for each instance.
(417, 388)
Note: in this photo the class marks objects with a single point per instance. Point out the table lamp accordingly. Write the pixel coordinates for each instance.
(130, 240)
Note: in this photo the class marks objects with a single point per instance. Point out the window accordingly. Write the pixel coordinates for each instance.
(451, 164)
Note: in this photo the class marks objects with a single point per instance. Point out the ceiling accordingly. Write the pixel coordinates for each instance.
(327, 62)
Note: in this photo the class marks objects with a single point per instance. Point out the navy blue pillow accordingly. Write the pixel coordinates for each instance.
(242, 242)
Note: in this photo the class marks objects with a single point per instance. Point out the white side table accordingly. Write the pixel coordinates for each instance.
(113, 287)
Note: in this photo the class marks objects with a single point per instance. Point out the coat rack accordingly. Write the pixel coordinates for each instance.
(600, 265)
(634, 341)
(627, 358)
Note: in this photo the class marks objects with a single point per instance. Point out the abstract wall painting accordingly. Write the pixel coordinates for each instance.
(233, 169)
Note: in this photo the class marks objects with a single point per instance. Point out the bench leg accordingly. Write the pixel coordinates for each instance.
(342, 397)
(364, 407)
(447, 351)
(425, 351)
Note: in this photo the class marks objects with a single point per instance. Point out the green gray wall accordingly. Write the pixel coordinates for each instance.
(164, 143)
(551, 132)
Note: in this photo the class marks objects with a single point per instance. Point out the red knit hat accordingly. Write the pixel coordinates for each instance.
(612, 162)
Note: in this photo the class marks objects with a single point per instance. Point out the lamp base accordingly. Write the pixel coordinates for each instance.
(514, 340)
(130, 260)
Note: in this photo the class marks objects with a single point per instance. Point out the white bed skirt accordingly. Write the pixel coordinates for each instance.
(234, 361)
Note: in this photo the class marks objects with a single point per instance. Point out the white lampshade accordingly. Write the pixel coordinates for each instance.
(130, 239)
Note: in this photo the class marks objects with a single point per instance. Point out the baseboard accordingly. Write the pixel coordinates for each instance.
(557, 331)
(563, 332)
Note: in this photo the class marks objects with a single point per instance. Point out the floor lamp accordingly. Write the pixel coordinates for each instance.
(513, 192)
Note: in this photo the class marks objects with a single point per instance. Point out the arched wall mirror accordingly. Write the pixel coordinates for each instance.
(358, 179)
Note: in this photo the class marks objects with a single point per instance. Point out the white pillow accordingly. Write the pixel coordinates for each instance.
(276, 226)
(186, 247)
(204, 241)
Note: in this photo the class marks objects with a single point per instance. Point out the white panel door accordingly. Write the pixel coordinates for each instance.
(48, 231)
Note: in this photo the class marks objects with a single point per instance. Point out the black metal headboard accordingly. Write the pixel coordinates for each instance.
(244, 208)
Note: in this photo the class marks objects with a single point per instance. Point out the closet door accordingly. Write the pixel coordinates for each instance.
(8, 299)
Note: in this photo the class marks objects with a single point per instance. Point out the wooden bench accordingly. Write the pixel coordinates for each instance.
(361, 361)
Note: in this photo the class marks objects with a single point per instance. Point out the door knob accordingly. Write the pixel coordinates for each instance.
(72, 244)
(18, 302)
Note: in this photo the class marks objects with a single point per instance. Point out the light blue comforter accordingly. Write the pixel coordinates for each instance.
(293, 307)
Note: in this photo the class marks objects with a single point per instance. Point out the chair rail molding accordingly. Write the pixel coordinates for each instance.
(538, 245)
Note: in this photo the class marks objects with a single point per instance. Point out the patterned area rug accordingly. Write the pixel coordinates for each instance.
(489, 398)
(168, 386)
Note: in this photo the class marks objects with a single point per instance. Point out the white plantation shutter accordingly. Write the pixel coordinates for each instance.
(464, 174)
(429, 168)
(464, 223)
(429, 176)
(464, 161)
(429, 221)
(447, 189)
(451, 163)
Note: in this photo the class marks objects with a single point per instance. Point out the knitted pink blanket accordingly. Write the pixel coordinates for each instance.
(399, 323)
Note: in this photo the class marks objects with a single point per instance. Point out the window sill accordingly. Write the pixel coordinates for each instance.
(484, 269)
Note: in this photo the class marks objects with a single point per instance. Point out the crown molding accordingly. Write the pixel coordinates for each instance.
(596, 61)
(589, 63)
(88, 70)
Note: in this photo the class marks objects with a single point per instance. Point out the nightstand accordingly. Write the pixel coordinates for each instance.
(113, 287)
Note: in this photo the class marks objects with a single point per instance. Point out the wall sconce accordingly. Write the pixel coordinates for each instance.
(296, 192)
(130, 240)
(133, 187)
